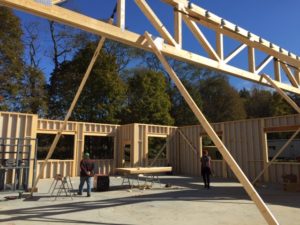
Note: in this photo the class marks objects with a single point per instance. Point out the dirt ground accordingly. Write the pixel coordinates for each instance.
(185, 202)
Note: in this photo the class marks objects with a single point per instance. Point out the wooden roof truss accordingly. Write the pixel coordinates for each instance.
(171, 45)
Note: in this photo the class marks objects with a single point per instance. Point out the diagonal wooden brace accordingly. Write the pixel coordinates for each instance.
(264, 210)
(281, 92)
(63, 126)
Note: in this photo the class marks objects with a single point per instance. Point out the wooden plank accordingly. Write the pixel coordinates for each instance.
(263, 64)
(121, 14)
(282, 93)
(235, 52)
(159, 26)
(74, 19)
(264, 210)
(281, 128)
(143, 170)
(251, 59)
(220, 45)
(200, 37)
(178, 26)
(67, 116)
(297, 74)
(290, 75)
(265, 149)
(277, 71)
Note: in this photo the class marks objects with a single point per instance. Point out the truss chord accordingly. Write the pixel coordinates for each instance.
(264, 210)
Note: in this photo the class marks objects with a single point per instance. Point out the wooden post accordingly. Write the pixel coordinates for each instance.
(277, 154)
(121, 14)
(212, 134)
(277, 71)
(251, 59)
(63, 126)
(220, 45)
(178, 25)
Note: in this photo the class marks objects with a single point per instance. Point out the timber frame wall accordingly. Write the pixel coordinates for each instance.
(245, 139)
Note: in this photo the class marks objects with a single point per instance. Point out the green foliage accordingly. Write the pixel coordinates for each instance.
(148, 100)
(103, 95)
(264, 103)
(221, 102)
(11, 64)
(33, 96)
(181, 112)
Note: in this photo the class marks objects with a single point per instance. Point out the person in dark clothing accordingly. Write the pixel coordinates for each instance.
(206, 168)
(87, 171)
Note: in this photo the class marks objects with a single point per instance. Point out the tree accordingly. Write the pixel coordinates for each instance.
(148, 101)
(221, 102)
(259, 103)
(103, 95)
(181, 112)
(11, 64)
(33, 97)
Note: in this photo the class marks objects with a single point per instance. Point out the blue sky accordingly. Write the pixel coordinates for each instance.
(276, 21)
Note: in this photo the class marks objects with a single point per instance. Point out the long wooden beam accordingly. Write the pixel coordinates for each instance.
(67, 116)
(74, 19)
(276, 155)
(264, 210)
(282, 93)
(146, 9)
(201, 37)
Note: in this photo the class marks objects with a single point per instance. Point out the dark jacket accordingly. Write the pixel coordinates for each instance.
(87, 165)
(206, 164)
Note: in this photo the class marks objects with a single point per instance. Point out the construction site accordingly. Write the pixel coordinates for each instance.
(255, 165)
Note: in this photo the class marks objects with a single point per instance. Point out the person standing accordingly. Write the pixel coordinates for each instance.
(206, 168)
(87, 171)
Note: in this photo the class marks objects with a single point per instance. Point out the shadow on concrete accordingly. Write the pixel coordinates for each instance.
(182, 189)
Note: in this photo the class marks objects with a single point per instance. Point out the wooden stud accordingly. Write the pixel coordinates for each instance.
(178, 25)
(62, 128)
(282, 128)
(297, 74)
(251, 59)
(276, 155)
(159, 26)
(210, 131)
(290, 75)
(282, 93)
(277, 70)
(235, 52)
(263, 64)
(201, 37)
(121, 14)
(220, 45)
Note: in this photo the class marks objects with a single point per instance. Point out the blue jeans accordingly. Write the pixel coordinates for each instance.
(88, 181)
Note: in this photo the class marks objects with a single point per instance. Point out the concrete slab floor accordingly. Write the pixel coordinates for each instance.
(185, 202)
